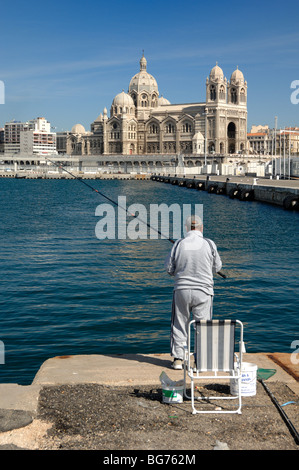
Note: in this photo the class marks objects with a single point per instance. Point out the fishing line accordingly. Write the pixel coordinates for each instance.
(117, 205)
(109, 199)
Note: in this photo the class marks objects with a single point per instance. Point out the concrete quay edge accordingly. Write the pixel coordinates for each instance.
(124, 370)
(277, 192)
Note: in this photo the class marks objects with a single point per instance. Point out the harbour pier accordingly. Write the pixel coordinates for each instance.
(284, 193)
(114, 403)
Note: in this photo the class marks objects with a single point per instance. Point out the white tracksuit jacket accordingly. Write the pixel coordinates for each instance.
(192, 261)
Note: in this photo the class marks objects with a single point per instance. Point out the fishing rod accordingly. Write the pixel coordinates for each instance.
(117, 204)
(264, 374)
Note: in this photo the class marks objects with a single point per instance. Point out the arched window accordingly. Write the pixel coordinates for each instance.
(144, 100)
(154, 129)
(242, 96)
(221, 93)
(154, 101)
(186, 127)
(134, 98)
(233, 96)
(211, 147)
(212, 93)
(231, 131)
(169, 128)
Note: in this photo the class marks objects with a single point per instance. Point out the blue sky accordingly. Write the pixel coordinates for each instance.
(67, 60)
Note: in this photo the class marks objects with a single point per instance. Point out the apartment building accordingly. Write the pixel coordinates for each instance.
(1, 139)
(29, 138)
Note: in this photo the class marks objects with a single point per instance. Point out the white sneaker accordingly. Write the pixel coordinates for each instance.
(177, 364)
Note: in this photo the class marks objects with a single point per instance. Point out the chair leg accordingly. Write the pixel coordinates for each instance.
(236, 410)
(194, 411)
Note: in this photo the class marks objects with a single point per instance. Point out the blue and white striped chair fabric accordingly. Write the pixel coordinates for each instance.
(215, 345)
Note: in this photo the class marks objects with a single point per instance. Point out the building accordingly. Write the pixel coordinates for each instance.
(260, 140)
(74, 142)
(288, 141)
(1, 139)
(265, 141)
(29, 138)
(12, 131)
(39, 140)
(142, 122)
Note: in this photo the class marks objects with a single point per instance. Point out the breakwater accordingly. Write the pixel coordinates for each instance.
(278, 192)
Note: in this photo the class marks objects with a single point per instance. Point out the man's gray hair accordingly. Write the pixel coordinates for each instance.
(193, 222)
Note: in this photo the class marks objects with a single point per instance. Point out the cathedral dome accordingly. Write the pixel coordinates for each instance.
(163, 101)
(123, 100)
(143, 81)
(216, 73)
(237, 76)
(78, 129)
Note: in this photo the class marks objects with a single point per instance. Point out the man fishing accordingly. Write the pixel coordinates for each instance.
(192, 262)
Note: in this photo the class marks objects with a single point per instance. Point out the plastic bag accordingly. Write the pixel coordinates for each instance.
(167, 382)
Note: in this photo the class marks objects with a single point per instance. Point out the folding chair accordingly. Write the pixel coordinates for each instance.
(214, 352)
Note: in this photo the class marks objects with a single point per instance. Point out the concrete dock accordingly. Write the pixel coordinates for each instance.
(27, 414)
(284, 193)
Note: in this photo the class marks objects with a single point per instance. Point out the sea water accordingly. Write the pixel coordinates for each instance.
(65, 292)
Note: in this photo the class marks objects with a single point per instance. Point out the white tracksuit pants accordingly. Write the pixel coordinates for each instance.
(184, 302)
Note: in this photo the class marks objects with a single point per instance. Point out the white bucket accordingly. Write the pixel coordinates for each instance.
(248, 381)
(173, 394)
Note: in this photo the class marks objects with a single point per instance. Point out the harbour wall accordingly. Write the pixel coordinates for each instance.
(274, 192)
(284, 193)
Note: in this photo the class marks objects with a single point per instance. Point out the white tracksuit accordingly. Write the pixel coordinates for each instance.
(192, 261)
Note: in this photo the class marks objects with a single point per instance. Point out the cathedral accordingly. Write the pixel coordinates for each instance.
(141, 122)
